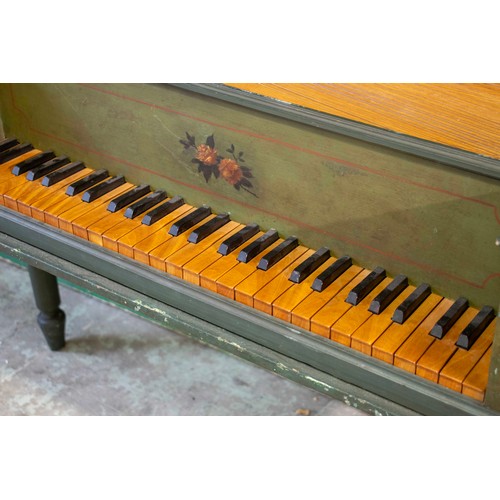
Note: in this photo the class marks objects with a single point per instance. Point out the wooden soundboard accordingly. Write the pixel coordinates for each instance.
(463, 116)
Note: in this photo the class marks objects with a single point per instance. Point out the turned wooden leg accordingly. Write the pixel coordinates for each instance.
(51, 319)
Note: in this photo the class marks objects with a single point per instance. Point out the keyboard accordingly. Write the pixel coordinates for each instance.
(443, 340)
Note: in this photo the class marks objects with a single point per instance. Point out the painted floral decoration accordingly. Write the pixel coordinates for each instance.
(210, 163)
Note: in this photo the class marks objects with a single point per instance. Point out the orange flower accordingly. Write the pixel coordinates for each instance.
(206, 154)
(230, 171)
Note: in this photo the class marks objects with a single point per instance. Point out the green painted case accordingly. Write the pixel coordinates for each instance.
(435, 218)
(384, 207)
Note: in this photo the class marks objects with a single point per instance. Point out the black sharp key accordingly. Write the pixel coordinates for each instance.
(302, 271)
(360, 291)
(449, 318)
(329, 275)
(15, 151)
(146, 203)
(236, 240)
(87, 182)
(257, 246)
(388, 294)
(8, 143)
(101, 189)
(47, 167)
(62, 173)
(277, 253)
(33, 162)
(164, 209)
(411, 303)
(129, 197)
(207, 229)
(474, 329)
(189, 221)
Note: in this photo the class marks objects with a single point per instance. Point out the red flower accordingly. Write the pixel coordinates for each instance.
(206, 154)
(230, 171)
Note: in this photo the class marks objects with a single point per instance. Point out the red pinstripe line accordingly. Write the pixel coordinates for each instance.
(298, 148)
(246, 205)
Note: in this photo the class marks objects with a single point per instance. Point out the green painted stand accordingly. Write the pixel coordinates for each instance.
(51, 318)
(309, 359)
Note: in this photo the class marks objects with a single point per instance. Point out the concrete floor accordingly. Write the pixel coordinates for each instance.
(115, 363)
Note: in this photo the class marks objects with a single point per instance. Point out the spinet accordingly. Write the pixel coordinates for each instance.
(384, 231)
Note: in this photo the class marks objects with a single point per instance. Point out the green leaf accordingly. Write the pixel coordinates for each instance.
(191, 139)
(207, 173)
